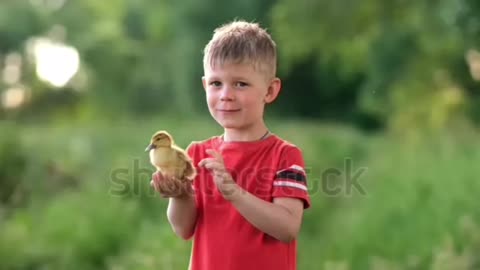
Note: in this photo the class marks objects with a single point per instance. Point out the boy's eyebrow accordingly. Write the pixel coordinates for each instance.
(233, 78)
(210, 78)
(239, 78)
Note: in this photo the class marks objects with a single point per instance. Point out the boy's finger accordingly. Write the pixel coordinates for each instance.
(214, 166)
(154, 184)
(157, 176)
(205, 161)
(214, 154)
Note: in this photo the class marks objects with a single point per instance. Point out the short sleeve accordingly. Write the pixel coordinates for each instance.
(290, 177)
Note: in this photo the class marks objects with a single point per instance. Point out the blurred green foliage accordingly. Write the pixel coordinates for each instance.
(419, 210)
(404, 60)
(74, 180)
(13, 162)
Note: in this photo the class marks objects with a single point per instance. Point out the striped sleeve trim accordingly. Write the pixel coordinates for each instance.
(289, 184)
(291, 175)
(294, 167)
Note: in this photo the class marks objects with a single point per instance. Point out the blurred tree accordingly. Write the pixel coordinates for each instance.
(372, 63)
(406, 53)
(468, 22)
(139, 56)
(18, 21)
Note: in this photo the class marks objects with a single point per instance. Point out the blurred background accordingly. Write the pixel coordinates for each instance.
(384, 94)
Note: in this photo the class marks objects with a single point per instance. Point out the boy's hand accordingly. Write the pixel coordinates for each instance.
(170, 188)
(222, 178)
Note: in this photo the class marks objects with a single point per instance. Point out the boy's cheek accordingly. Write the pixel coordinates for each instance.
(210, 102)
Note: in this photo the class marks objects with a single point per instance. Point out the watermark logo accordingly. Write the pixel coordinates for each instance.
(345, 180)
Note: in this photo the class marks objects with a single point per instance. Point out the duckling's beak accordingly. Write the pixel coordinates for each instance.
(150, 147)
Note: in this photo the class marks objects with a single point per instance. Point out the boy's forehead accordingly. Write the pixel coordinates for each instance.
(229, 65)
(239, 68)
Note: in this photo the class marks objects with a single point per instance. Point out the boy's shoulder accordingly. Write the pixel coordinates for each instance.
(289, 147)
(205, 143)
(286, 143)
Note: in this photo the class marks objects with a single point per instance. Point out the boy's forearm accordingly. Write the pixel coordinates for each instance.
(182, 215)
(274, 220)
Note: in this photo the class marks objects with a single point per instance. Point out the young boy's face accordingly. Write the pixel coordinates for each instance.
(237, 93)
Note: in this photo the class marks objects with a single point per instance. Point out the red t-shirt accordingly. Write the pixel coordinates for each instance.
(223, 238)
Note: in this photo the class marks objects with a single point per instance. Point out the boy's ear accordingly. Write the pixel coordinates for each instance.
(204, 83)
(273, 90)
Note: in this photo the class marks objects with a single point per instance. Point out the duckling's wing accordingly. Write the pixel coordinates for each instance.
(189, 171)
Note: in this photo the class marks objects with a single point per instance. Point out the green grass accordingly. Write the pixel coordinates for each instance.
(419, 210)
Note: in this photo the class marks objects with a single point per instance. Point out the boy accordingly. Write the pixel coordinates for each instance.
(250, 192)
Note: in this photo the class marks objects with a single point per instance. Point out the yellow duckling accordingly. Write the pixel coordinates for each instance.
(169, 159)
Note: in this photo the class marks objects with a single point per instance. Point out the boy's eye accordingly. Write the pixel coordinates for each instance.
(216, 83)
(241, 84)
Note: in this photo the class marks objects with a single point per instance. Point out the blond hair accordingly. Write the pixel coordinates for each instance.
(242, 42)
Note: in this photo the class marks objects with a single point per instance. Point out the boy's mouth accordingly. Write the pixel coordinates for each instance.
(228, 111)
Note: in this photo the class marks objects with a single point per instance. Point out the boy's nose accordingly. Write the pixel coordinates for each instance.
(226, 94)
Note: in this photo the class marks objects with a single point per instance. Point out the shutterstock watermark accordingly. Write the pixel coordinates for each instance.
(343, 181)
(333, 181)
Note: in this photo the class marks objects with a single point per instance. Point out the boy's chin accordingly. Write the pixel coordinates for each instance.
(229, 124)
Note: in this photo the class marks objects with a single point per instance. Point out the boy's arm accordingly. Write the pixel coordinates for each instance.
(181, 210)
(281, 219)
(182, 215)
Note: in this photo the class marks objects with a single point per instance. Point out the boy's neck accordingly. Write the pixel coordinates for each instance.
(232, 135)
